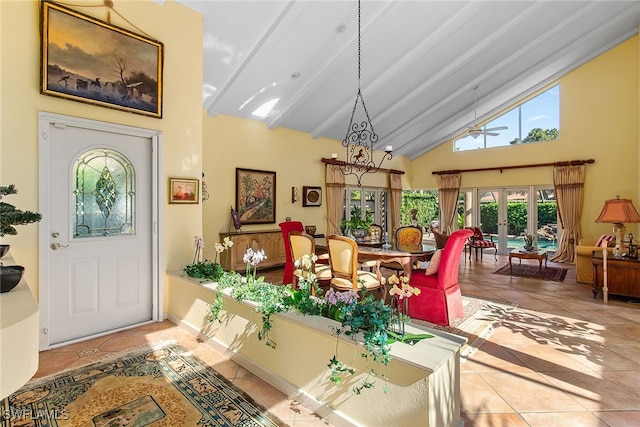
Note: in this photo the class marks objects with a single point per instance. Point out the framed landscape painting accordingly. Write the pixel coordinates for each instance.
(256, 196)
(88, 60)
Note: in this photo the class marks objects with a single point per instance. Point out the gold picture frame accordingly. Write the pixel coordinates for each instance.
(88, 60)
(184, 191)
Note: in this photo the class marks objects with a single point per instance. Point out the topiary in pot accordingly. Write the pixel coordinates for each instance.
(11, 275)
(10, 216)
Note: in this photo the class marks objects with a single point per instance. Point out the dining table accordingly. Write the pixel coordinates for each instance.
(406, 257)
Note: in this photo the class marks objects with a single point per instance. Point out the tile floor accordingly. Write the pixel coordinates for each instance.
(562, 358)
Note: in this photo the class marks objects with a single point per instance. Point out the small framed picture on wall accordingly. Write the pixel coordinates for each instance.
(311, 196)
(184, 190)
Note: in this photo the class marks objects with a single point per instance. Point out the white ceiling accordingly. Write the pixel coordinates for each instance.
(420, 60)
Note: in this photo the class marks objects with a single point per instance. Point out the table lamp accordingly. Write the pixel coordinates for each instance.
(618, 211)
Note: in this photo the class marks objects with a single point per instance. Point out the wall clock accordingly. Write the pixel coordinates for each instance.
(311, 196)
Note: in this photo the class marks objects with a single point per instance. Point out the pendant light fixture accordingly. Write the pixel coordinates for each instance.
(361, 138)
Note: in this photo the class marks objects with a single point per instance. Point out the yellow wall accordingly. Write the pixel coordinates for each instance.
(180, 29)
(599, 119)
(230, 142)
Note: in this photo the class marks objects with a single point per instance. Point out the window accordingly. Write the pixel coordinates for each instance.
(370, 200)
(104, 196)
(537, 119)
(425, 202)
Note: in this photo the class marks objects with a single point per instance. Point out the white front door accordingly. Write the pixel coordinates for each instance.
(97, 236)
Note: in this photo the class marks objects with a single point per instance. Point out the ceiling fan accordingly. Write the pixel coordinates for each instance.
(476, 130)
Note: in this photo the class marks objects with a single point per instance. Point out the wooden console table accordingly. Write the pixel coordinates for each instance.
(623, 275)
(269, 240)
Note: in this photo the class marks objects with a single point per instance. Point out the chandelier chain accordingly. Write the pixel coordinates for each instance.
(358, 45)
(361, 137)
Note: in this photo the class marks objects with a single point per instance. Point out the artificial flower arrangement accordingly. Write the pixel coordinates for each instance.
(400, 303)
(405, 290)
(361, 316)
(206, 269)
(528, 240)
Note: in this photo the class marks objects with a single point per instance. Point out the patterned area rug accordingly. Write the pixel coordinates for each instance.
(162, 386)
(480, 318)
(556, 274)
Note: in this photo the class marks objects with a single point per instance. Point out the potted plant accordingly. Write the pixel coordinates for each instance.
(528, 241)
(11, 275)
(207, 270)
(358, 224)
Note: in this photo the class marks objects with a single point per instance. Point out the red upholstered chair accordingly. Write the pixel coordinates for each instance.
(287, 227)
(440, 298)
(477, 241)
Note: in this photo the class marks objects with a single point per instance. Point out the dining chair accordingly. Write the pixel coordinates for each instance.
(441, 239)
(287, 227)
(408, 239)
(304, 244)
(440, 299)
(345, 275)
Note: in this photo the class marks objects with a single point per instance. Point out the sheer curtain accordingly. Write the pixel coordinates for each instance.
(335, 198)
(448, 189)
(568, 182)
(395, 199)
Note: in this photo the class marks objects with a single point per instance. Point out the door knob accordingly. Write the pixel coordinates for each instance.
(55, 246)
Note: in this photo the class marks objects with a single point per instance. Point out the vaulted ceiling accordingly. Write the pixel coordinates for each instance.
(420, 60)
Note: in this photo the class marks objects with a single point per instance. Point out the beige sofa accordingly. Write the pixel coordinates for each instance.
(584, 251)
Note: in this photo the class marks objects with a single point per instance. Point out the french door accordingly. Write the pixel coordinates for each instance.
(506, 214)
(370, 200)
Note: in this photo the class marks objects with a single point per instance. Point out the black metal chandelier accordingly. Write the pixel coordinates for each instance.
(361, 137)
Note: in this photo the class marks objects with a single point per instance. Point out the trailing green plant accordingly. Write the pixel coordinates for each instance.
(205, 270)
(371, 318)
(302, 301)
(227, 280)
(338, 369)
(362, 318)
(10, 216)
(272, 298)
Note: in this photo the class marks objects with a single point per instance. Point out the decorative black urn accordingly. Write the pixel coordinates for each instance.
(10, 276)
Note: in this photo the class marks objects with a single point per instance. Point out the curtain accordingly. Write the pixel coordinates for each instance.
(335, 198)
(568, 182)
(395, 199)
(448, 189)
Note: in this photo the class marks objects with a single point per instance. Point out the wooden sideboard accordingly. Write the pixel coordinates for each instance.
(269, 240)
(623, 275)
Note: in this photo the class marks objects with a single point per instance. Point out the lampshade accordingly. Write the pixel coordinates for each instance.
(618, 211)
